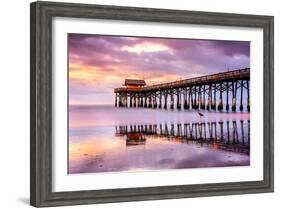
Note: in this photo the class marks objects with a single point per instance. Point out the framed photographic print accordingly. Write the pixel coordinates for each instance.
(131, 104)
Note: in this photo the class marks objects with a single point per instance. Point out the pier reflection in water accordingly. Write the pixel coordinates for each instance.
(109, 139)
(231, 136)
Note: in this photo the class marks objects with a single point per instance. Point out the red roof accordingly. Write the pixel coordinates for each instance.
(134, 82)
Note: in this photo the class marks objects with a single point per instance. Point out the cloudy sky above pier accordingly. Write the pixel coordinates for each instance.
(98, 64)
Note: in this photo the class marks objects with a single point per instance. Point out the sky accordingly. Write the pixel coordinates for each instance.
(99, 63)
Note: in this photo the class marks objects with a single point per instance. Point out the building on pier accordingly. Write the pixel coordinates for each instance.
(134, 84)
(130, 86)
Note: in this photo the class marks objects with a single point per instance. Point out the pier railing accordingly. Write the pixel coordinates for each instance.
(193, 93)
(202, 80)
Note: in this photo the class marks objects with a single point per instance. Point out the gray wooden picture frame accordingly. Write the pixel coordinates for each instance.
(41, 16)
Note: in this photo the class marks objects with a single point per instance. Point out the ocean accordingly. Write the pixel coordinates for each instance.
(103, 138)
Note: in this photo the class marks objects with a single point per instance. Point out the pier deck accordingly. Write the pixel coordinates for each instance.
(194, 93)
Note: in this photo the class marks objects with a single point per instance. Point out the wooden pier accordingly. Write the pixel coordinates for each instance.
(211, 92)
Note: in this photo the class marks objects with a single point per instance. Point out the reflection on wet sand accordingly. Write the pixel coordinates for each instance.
(108, 139)
(135, 139)
(230, 135)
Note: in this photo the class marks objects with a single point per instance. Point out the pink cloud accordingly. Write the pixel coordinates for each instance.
(99, 63)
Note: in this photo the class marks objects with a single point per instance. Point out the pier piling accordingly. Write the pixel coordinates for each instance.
(195, 93)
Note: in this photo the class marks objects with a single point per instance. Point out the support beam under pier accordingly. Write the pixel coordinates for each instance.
(241, 95)
(227, 94)
(234, 91)
(220, 105)
(248, 96)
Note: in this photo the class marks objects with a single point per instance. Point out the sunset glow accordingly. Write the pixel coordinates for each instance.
(146, 47)
(98, 64)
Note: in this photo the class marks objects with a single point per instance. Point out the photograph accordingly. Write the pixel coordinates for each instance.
(138, 104)
(135, 103)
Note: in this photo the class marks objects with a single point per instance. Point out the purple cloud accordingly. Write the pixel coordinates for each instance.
(113, 58)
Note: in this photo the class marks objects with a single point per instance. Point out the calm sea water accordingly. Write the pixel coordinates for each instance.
(109, 139)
